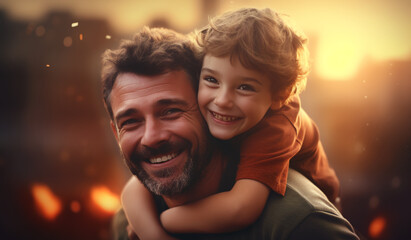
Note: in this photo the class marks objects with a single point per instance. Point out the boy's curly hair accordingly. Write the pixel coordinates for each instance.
(262, 41)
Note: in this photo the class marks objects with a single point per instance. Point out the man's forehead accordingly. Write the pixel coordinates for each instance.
(172, 87)
(128, 79)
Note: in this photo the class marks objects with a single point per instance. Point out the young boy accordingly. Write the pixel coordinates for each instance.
(254, 67)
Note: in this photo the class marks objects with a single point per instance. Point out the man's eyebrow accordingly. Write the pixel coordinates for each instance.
(172, 101)
(159, 103)
(125, 113)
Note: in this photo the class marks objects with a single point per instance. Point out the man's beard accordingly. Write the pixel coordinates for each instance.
(190, 175)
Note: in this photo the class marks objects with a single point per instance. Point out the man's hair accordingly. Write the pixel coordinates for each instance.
(262, 41)
(153, 51)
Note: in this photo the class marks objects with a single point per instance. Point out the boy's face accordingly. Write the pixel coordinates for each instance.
(231, 97)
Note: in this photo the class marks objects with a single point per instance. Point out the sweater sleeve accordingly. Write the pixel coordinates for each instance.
(266, 151)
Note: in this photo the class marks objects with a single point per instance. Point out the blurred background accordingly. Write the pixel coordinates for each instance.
(60, 170)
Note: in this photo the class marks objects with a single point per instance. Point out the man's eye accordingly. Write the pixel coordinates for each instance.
(171, 111)
(246, 87)
(128, 122)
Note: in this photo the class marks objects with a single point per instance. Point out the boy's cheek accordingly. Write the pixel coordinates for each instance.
(202, 98)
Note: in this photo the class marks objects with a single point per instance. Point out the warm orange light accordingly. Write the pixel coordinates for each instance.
(377, 226)
(105, 199)
(338, 57)
(47, 203)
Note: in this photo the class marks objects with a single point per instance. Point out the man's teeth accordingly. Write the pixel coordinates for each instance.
(224, 118)
(161, 159)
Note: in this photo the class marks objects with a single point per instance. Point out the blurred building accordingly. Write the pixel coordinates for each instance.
(53, 129)
(363, 127)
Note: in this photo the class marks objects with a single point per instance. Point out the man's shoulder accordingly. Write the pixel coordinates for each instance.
(304, 209)
(308, 195)
(303, 213)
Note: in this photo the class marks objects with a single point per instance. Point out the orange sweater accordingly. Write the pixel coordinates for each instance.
(286, 138)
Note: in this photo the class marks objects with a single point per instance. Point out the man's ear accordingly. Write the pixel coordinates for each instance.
(114, 129)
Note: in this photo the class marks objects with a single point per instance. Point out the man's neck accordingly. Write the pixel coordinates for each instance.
(208, 185)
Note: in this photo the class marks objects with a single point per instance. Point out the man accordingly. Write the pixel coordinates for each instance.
(149, 88)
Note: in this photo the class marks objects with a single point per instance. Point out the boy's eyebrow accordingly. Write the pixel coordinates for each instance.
(209, 70)
(247, 79)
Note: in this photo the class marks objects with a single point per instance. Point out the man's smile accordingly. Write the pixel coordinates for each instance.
(163, 158)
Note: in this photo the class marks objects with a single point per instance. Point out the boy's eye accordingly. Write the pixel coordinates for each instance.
(211, 80)
(246, 87)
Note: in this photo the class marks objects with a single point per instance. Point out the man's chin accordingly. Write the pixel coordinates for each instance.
(170, 180)
(167, 186)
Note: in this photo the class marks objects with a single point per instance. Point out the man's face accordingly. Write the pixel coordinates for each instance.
(160, 130)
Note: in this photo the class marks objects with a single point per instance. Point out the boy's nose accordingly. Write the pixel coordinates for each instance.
(154, 134)
(224, 99)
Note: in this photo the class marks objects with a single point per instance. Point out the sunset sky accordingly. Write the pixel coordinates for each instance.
(346, 31)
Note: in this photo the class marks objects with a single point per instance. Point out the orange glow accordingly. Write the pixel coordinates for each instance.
(47, 203)
(105, 199)
(338, 57)
(75, 206)
(81, 36)
(377, 226)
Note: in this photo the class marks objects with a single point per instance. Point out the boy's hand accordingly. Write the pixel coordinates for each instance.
(131, 234)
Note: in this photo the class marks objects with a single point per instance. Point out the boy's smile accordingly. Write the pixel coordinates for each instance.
(224, 118)
(231, 97)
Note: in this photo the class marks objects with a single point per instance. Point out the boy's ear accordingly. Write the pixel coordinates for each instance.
(279, 100)
(114, 129)
(276, 104)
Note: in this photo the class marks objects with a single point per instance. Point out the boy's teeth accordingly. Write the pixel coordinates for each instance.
(161, 159)
(224, 118)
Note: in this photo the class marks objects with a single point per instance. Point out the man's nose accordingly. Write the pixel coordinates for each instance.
(154, 133)
(224, 98)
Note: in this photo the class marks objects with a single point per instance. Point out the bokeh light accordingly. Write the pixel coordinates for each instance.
(105, 199)
(75, 206)
(377, 227)
(48, 204)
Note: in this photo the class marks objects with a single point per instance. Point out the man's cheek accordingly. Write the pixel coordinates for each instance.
(190, 128)
(127, 145)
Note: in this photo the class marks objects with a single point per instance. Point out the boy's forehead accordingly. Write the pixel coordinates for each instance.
(233, 62)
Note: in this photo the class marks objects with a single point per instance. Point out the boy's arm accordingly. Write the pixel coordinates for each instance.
(141, 212)
(221, 212)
